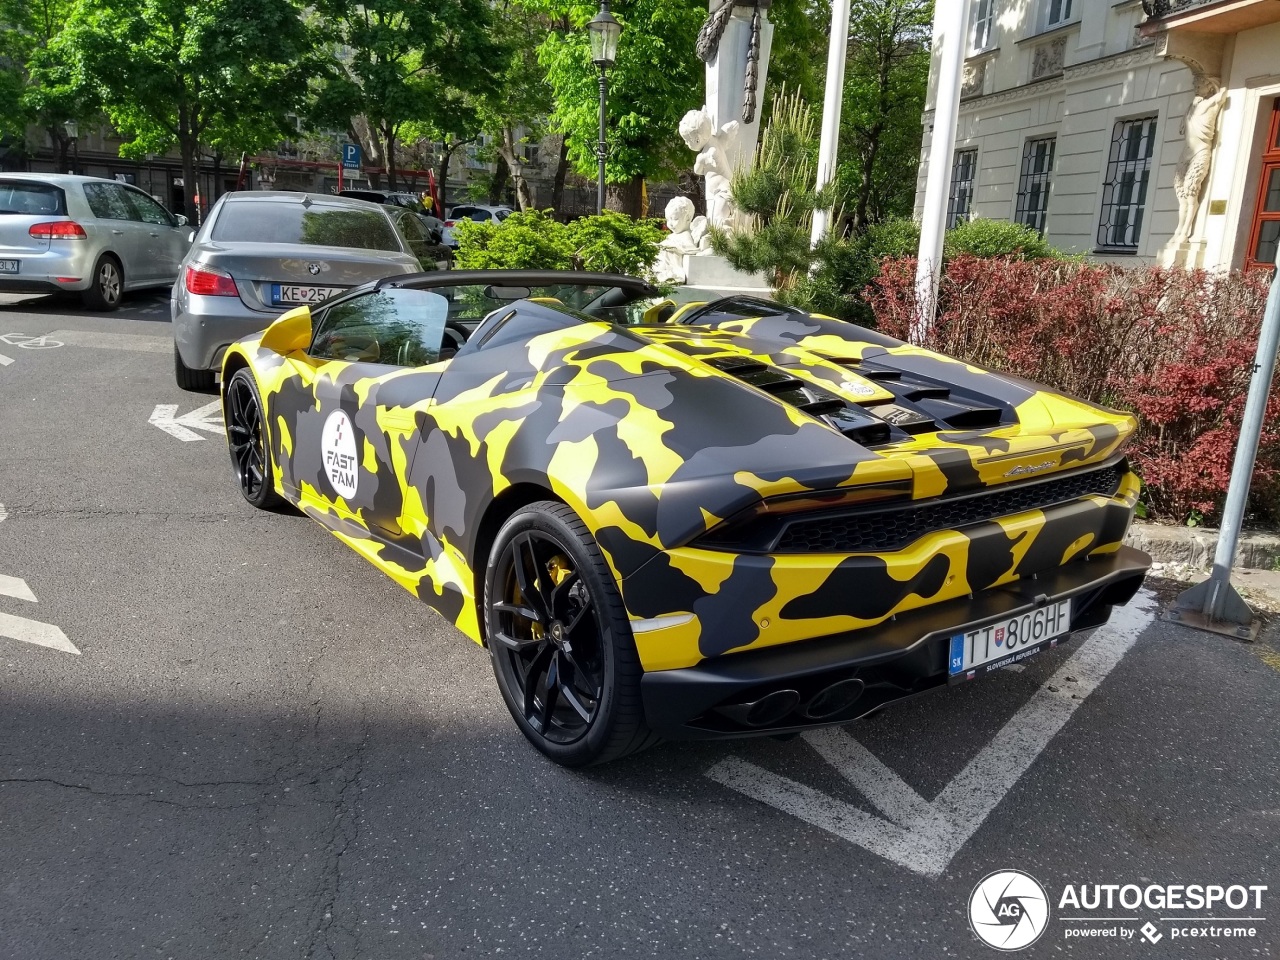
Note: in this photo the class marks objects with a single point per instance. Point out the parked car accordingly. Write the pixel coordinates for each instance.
(260, 253)
(410, 201)
(715, 520)
(100, 238)
(423, 239)
(471, 211)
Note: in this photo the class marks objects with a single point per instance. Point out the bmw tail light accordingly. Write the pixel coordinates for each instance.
(210, 282)
(450, 223)
(57, 230)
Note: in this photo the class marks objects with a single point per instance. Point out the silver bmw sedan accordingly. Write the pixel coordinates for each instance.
(260, 253)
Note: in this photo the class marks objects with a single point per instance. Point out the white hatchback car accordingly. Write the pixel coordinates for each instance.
(471, 211)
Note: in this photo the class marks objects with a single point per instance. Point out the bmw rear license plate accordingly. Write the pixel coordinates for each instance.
(9, 266)
(300, 293)
(1002, 642)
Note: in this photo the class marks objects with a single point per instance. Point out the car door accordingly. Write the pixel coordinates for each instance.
(166, 240)
(355, 404)
(125, 234)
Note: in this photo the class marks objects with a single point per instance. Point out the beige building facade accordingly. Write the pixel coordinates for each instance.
(1138, 130)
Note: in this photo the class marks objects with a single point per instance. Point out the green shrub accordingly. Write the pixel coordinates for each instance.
(614, 243)
(895, 237)
(534, 240)
(995, 238)
(528, 240)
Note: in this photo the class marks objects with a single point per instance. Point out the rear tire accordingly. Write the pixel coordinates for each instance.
(107, 287)
(197, 381)
(560, 641)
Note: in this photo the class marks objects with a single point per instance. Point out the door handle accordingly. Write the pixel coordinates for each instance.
(155, 234)
(118, 233)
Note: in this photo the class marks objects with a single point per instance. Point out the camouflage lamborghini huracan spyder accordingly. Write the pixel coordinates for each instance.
(713, 520)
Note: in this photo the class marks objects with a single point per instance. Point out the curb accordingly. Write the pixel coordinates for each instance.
(1193, 547)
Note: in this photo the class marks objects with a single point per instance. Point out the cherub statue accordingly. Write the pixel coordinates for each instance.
(717, 156)
(679, 243)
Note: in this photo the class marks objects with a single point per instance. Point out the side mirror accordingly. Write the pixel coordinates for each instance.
(182, 221)
(290, 333)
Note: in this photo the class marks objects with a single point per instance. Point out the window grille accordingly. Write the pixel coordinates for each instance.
(960, 196)
(1124, 194)
(1034, 181)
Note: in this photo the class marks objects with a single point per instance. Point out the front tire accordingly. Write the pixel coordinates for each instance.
(107, 289)
(247, 441)
(560, 642)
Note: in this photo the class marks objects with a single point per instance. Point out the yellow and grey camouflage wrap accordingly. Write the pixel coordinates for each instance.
(647, 434)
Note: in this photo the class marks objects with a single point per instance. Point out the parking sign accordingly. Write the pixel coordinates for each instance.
(351, 156)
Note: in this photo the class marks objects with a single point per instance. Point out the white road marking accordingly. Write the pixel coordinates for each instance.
(924, 836)
(98, 340)
(208, 417)
(3, 514)
(33, 631)
(5, 361)
(15, 587)
(28, 342)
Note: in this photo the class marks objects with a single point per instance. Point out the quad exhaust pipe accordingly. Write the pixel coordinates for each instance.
(773, 707)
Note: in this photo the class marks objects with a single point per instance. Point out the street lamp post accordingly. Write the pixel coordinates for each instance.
(73, 134)
(604, 30)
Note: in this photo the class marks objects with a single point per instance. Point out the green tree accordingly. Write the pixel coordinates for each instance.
(37, 86)
(886, 75)
(776, 198)
(394, 62)
(657, 78)
(222, 73)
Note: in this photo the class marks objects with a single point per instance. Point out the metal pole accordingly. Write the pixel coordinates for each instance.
(953, 19)
(602, 148)
(837, 50)
(1255, 409)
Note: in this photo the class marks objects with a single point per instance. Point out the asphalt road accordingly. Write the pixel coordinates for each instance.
(266, 749)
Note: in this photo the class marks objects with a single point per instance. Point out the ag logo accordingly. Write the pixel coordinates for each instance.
(1008, 910)
(338, 443)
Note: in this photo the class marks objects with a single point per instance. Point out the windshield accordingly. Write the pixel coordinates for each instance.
(469, 302)
(31, 199)
(316, 224)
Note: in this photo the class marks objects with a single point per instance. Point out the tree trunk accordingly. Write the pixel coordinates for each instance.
(217, 177)
(507, 152)
(189, 147)
(390, 141)
(63, 143)
(371, 144)
(499, 181)
(562, 168)
(624, 197)
(442, 180)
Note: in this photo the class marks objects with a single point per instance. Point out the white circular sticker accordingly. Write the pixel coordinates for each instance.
(338, 440)
(1008, 910)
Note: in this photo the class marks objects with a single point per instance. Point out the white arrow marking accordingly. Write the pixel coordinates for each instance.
(913, 832)
(5, 361)
(3, 514)
(208, 417)
(15, 587)
(32, 631)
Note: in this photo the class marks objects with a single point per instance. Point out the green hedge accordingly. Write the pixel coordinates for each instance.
(534, 240)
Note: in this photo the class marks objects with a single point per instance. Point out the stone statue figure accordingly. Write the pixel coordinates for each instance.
(682, 241)
(718, 154)
(1199, 127)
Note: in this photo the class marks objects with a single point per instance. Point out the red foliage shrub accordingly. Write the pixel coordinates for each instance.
(1175, 347)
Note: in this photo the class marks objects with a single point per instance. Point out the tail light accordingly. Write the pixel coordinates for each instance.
(57, 230)
(210, 282)
(450, 223)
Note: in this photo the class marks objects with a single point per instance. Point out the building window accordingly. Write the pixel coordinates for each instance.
(1124, 194)
(1264, 237)
(960, 198)
(1059, 12)
(984, 15)
(1033, 183)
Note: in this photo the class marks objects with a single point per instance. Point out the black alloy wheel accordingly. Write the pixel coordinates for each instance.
(247, 441)
(561, 645)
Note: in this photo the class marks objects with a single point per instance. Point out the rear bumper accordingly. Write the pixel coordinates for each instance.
(893, 661)
(37, 285)
(203, 327)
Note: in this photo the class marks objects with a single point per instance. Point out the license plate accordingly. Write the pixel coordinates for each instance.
(288, 293)
(998, 644)
(9, 266)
